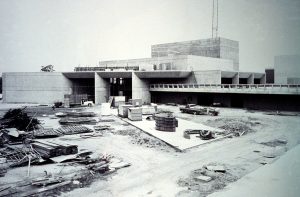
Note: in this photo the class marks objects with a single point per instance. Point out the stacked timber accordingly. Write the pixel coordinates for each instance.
(123, 110)
(46, 133)
(51, 149)
(135, 113)
(79, 120)
(70, 130)
(165, 122)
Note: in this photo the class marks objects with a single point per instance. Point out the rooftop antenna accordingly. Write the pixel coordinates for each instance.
(215, 19)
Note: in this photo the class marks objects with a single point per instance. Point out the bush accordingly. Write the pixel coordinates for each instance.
(17, 118)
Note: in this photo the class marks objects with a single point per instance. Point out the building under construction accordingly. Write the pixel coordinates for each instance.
(202, 71)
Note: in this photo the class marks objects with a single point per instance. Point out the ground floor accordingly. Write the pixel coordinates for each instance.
(249, 101)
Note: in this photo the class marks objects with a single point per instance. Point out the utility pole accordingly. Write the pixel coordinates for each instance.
(215, 19)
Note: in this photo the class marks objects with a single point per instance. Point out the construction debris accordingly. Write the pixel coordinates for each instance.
(216, 168)
(203, 134)
(19, 156)
(203, 178)
(165, 121)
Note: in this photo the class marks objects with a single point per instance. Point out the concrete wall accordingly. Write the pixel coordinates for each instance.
(102, 90)
(287, 69)
(207, 77)
(229, 49)
(140, 89)
(217, 48)
(162, 63)
(197, 63)
(35, 87)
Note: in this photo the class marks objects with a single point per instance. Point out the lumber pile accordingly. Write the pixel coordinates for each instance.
(71, 130)
(46, 133)
(76, 121)
(51, 149)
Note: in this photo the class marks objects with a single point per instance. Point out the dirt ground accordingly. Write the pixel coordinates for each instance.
(158, 170)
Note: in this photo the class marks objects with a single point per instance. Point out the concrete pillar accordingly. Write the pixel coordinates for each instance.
(101, 89)
(140, 89)
(250, 79)
(263, 79)
(235, 79)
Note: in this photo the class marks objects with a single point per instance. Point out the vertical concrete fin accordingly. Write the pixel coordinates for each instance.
(140, 89)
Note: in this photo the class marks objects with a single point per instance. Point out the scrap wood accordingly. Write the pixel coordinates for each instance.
(44, 189)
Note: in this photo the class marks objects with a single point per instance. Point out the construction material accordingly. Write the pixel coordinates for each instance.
(203, 134)
(51, 149)
(81, 114)
(81, 120)
(46, 133)
(123, 110)
(165, 121)
(71, 130)
(118, 100)
(135, 113)
(136, 102)
(75, 99)
(148, 110)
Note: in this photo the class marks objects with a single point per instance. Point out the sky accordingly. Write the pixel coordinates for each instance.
(69, 33)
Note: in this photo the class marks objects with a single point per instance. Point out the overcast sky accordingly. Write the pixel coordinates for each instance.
(68, 33)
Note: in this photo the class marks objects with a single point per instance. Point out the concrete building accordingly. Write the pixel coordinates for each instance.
(287, 69)
(213, 47)
(185, 77)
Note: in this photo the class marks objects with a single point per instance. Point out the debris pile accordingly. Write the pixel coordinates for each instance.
(208, 179)
(203, 134)
(234, 126)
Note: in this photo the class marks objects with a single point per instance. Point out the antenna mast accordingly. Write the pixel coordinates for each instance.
(215, 19)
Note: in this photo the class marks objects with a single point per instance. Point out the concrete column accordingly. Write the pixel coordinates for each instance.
(263, 79)
(235, 79)
(250, 79)
(101, 90)
(140, 89)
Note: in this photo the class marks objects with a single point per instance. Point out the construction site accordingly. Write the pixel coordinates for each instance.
(185, 121)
